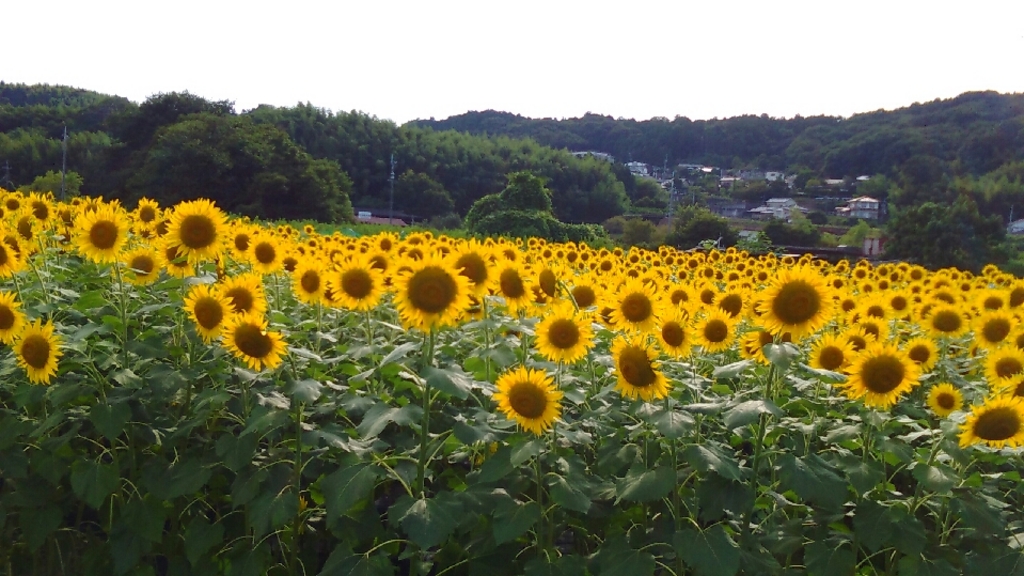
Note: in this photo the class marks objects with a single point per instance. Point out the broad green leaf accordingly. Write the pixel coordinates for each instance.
(706, 408)
(470, 433)
(782, 355)
(524, 452)
(828, 559)
(617, 558)
(346, 486)
(272, 510)
(496, 466)
(568, 496)
(381, 414)
(716, 496)
(307, 390)
(672, 424)
(733, 370)
(186, 476)
(643, 485)
(939, 479)
(145, 517)
(978, 512)
(512, 520)
(923, 565)
(110, 419)
(825, 375)
(342, 562)
(200, 537)
(427, 521)
(748, 412)
(93, 482)
(237, 451)
(451, 381)
(709, 457)
(873, 526)
(399, 352)
(710, 552)
(813, 479)
(38, 524)
(909, 537)
(561, 566)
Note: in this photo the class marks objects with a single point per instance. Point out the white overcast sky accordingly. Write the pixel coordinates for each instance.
(552, 58)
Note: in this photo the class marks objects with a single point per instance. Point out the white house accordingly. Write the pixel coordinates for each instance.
(862, 207)
(638, 168)
(1016, 227)
(779, 208)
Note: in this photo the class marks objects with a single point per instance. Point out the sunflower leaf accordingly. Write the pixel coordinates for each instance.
(512, 519)
(733, 370)
(710, 552)
(782, 355)
(643, 485)
(748, 412)
(451, 381)
(939, 479)
(708, 457)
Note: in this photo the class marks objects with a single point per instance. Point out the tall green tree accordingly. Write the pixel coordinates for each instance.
(938, 235)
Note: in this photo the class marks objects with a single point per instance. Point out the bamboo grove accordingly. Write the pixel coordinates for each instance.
(182, 392)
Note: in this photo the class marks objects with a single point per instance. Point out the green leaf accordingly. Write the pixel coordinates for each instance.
(873, 525)
(342, 562)
(512, 520)
(427, 521)
(272, 510)
(93, 482)
(400, 351)
(451, 381)
(496, 466)
(813, 479)
(110, 419)
(782, 355)
(924, 566)
(145, 517)
(748, 412)
(37, 525)
(568, 496)
(345, 487)
(732, 370)
(186, 476)
(471, 433)
(909, 537)
(200, 537)
(710, 457)
(710, 553)
(826, 559)
(307, 390)
(643, 485)
(525, 451)
(562, 566)
(978, 512)
(381, 414)
(939, 479)
(237, 451)
(616, 558)
(672, 424)
(717, 496)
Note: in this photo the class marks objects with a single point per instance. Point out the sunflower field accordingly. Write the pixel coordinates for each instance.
(186, 393)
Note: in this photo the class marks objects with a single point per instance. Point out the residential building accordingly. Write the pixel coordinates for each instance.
(861, 208)
(777, 208)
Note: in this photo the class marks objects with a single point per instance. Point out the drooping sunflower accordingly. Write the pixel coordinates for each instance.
(199, 229)
(37, 349)
(999, 422)
(636, 306)
(246, 294)
(431, 294)
(530, 398)
(637, 369)
(831, 352)
(944, 399)
(880, 374)
(563, 335)
(1004, 366)
(246, 336)
(209, 309)
(357, 284)
(100, 234)
(144, 264)
(923, 351)
(798, 301)
(675, 334)
(715, 330)
(11, 319)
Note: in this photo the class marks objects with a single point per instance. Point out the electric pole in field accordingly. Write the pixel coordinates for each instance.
(7, 175)
(391, 209)
(64, 161)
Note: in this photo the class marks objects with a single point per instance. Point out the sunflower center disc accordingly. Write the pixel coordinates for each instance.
(6, 318)
(797, 302)
(143, 265)
(636, 308)
(511, 284)
(996, 330)
(997, 424)
(310, 281)
(473, 267)
(882, 374)
(356, 283)
(946, 401)
(103, 234)
(253, 341)
(563, 334)
(947, 321)
(197, 231)
(432, 290)
(1007, 367)
(36, 351)
(635, 367)
(527, 400)
(672, 333)
(716, 331)
(831, 358)
(241, 299)
(584, 296)
(209, 313)
(265, 253)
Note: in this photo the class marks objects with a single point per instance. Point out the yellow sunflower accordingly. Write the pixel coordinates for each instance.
(563, 335)
(198, 229)
(246, 294)
(100, 234)
(11, 319)
(175, 263)
(530, 398)
(357, 284)
(798, 301)
(585, 291)
(144, 264)
(246, 336)
(147, 211)
(636, 306)
(209, 309)
(637, 369)
(1004, 367)
(945, 320)
(265, 254)
(944, 399)
(715, 330)
(37, 349)
(999, 422)
(240, 237)
(993, 327)
(309, 281)
(752, 345)
(475, 261)
(675, 335)
(923, 351)
(831, 352)
(431, 294)
(514, 286)
(10, 261)
(880, 374)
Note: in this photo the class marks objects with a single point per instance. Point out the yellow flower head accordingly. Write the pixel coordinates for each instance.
(12, 320)
(798, 301)
(999, 422)
(100, 234)
(430, 294)
(246, 336)
(209, 309)
(246, 294)
(880, 375)
(944, 399)
(37, 349)
(357, 284)
(144, 265)
(530, 398)
(563, 335)
(637, 369)
(198, 229)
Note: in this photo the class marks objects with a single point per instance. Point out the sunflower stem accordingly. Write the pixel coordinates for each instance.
(421, 469)
(123, 297)
(297, 482)
(487, 339)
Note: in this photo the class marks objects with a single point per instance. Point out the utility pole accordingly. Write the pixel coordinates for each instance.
(64, 161)
(7, 174)
(391, 210)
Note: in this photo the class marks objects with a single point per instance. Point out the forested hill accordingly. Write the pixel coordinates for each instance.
(973, 133)
(295, 162)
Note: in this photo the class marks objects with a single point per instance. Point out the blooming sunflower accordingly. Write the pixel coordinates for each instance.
(993, 327)
(265, 254)
(175, 263)
(209, 309)
(431, 294)
(514, 286)
(637, 369)
(585, 291)
(675, 336)
(923, 351)
(100, 234)
(715, 330)
(144, 264)
(752, 345)
(798, 301)
(357, 284)
(11, 319)
(880, 374)
(10, 261)
(37, 349)
(246, 336)
(999, 422)
(245, 292)
(530, 398)
(198, 229)
(831, 352)
(944, 399)
(147, 211)
(635, 306)
(475, 261)
(1004, 367)
(563, 336)
(309, 281)
(945, 320)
